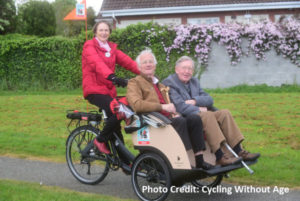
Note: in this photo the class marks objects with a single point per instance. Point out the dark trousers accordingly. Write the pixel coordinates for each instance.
(112, 124)
(191, 132)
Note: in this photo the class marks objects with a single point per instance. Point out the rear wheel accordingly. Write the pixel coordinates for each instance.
(208, 181)
(89, 169)
(150, 177)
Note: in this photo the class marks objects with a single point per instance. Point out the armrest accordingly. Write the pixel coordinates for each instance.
(154, 119)
(161, 117)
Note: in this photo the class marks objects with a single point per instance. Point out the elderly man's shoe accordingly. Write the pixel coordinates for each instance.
(226, 160)
(200, 163)
(247, 156)
(204, 165)
(101, 147)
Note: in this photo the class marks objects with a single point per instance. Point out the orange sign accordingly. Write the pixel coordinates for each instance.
(78, 13)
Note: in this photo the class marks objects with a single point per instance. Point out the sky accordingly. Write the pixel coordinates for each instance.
(95, 4)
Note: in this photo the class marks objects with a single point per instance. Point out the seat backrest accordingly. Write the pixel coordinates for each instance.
(158, 115)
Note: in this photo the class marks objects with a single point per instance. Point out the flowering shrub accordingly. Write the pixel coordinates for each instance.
(289, 44)
(229, 35)
(190, 38)
(195, 40)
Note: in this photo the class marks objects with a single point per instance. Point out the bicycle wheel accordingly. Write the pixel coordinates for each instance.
(92, 168)
(150, 177)
(208, 181)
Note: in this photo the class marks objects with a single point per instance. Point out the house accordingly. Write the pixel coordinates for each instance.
(125, 12)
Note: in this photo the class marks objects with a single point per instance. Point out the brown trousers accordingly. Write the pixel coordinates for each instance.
(219, 126)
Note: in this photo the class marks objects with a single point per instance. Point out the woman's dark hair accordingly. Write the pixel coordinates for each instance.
(100, 22)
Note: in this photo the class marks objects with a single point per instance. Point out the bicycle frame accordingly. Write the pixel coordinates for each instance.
(115, 143)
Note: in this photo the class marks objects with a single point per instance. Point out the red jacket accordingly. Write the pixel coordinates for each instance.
(96, 67)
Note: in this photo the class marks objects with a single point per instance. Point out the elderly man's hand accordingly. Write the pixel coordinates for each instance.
(203, 109)
(169, 108)
(191, 102)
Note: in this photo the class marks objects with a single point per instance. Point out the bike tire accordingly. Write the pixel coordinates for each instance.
(91, 169)
(208, 182)
(149, 169)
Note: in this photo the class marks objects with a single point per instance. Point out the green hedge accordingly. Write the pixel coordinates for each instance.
(28, 62)
(135, 38)
(39, 63)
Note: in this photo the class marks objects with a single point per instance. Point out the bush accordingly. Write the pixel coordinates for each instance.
(28, 62)
(35, 63)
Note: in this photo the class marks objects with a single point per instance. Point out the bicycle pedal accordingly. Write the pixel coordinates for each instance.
(92, 153)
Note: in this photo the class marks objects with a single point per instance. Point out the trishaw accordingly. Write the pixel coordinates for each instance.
(162, 162)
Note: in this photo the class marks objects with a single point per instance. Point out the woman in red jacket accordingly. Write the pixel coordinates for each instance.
(99, 58)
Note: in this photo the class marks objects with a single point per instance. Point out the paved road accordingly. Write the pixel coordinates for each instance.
(118, 184)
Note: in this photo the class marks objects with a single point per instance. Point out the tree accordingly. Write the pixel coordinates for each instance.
(7, 16)
(62, 8)
(37, 18)
(70, 28)
(90, 17)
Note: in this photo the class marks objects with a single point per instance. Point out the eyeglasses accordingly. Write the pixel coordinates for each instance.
(147, 61)
(187, 68)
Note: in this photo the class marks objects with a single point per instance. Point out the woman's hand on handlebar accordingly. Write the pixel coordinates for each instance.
(120, 82)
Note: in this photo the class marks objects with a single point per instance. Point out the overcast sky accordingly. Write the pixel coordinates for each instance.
(95, 4)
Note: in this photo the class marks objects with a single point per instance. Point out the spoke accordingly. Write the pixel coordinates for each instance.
(90, 137)
(75, 139)
(81, 139)
(83, 136)
(89, 169)
(78, 142)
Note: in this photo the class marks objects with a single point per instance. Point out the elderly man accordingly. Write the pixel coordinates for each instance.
(219, 126)
(144, 94)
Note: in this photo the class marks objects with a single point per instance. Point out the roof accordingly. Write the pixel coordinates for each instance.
(115, 8)
(138, 4)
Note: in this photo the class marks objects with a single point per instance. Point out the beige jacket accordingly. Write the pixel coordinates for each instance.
(142, 96)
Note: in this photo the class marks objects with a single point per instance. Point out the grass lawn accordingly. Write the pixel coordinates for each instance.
(16, 191)
(34, 126)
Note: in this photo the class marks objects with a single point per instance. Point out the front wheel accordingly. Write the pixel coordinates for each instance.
(209, 182)
(91, 168)
(150, 177)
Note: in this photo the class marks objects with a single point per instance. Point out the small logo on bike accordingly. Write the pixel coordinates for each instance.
(143, 135)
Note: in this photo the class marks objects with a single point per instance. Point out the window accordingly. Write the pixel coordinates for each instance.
(203, 20)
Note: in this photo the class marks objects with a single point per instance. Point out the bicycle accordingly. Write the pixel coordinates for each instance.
(86, 163)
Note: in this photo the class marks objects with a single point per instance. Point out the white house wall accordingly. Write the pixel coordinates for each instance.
(203, 20)
(275, 71)
(246, 18)
(162, 21)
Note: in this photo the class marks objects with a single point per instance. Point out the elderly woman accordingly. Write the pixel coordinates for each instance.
(99, 58)
(144, 95)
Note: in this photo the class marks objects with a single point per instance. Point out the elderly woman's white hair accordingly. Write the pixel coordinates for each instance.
(145, 51)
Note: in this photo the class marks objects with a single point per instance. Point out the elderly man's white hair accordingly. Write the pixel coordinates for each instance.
(184, 58)
(145, 51)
